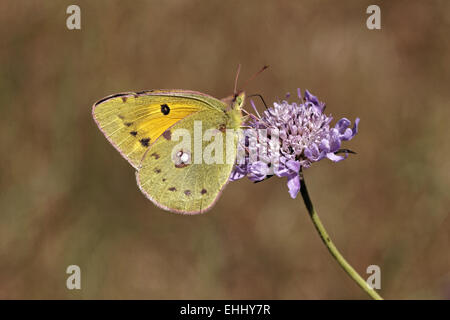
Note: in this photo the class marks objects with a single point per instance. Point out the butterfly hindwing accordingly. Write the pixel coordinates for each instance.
(187, 188)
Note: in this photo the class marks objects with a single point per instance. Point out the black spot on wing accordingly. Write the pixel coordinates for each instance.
(133, 133)
(144, 142)
(128, 123)
(155, 155)
(172, 189)
(187, 192)
(203, 191)
(157, 170)
(165, 109)
(167, 134)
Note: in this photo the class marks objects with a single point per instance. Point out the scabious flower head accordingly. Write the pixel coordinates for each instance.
(289, 137)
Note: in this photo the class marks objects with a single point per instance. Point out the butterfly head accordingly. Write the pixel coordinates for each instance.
(238, 101)
(236, 109)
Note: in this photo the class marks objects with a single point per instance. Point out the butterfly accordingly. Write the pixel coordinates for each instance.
(142, 127)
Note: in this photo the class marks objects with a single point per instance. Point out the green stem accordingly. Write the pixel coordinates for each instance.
(332, 248)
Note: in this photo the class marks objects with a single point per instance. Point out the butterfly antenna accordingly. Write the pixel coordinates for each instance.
(254, 76)
(236, 79)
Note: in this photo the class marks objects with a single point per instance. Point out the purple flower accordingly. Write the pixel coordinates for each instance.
(289, 137)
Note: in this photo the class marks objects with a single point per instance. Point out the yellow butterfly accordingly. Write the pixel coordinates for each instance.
(142, 125)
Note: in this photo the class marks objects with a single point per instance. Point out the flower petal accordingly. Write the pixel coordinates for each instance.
(342, 125)
(355, 127)
(293, 165)
(334, 157)
(335, 141)
(238, 173)
(311, 98)
(347, 135)
(257, 171)
(324, 146)
(299, 93)
(293, 185)
(312, 153)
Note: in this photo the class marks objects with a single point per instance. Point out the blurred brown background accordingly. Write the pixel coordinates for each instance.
(67, 196)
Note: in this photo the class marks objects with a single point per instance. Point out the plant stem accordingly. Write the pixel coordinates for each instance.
(332, 248)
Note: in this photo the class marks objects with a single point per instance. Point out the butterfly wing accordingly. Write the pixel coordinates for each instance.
(141, 126)
(133, 121)
(191, 187)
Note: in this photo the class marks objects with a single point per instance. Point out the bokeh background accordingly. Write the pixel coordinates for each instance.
(67, 197)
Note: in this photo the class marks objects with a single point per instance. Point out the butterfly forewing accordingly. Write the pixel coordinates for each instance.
(133, 121)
